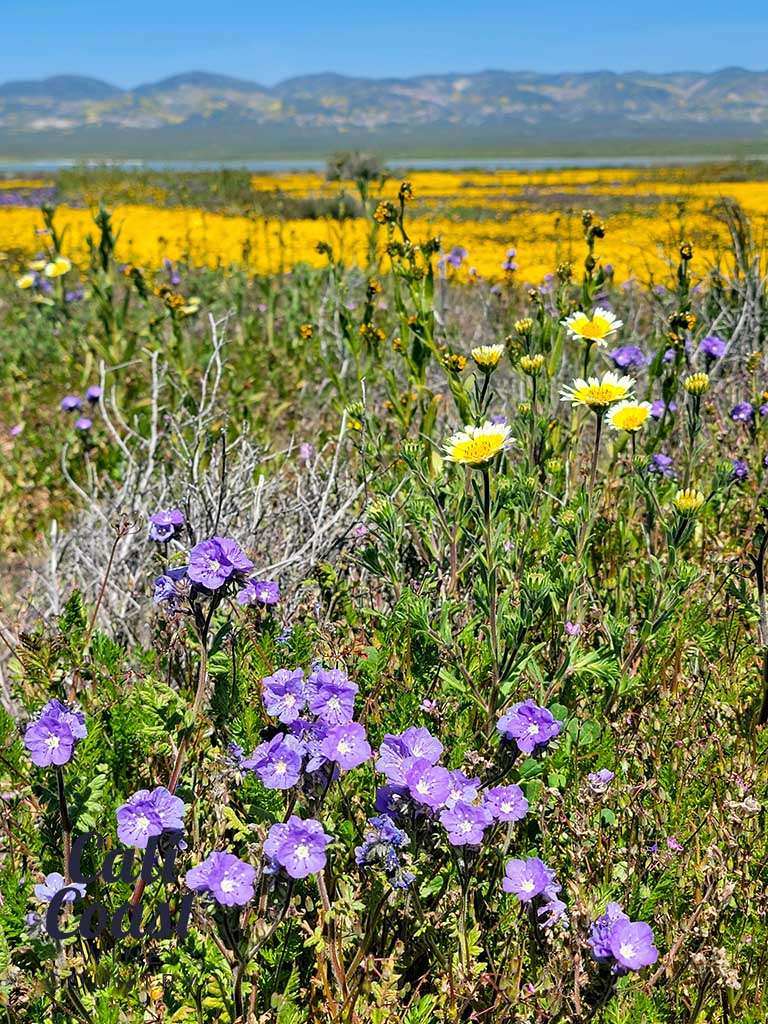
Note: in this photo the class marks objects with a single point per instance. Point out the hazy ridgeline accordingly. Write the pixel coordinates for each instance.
(522, 614)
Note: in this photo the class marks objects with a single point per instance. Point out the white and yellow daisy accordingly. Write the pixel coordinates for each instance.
(595, 328)
(487, 357)
(598, 392)
(37, 265)
(474, 446)
(25, 281)
(629, 416)
(58, 267)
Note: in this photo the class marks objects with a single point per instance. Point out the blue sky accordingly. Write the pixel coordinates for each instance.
(143, 40)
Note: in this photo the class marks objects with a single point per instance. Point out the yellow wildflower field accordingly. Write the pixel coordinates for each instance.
(647, 212)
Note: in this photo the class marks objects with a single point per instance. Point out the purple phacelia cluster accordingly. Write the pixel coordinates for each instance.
(622, 944)
(213, 565)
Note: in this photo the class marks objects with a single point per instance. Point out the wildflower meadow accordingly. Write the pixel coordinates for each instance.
(384, 629)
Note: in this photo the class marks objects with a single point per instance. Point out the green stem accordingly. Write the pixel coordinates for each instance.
(595, 456)
(490, 577)
(66, 824)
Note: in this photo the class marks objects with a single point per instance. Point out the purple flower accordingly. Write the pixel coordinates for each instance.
(427, 783)
(661, 464)
(391, 799)
(631, 944)
(670, 355)
(599, 781)
(173, 277)
(346, 745)
(527, 878)
(235, 755)
(498, 420)
(454, 258)
(465, 823)
(299, 847)
(551, 911)
(70, 403)
(506, 803)
(396, 751)
(166, 590)
(70, 715)
(147, 814)
(382, 830)
(83, 423)
(628, 357)
(311, 735)
(49, 742)
(573, 629)
(265, 592)
(275, 836)
(277, 762)
(658, 407)
(283, 694)
(331, 696)
(227, 878)
(509, 260)
(380, 848)
(742, 412)
(54, 883)
(421, 743)
(600, 932)
(214, 562)
(393, 757)
(94, 393)
(164, 526)
(462, 788)
(307, 453)
(713, 347)
(51, 737)
(739, 470)
(530, 726)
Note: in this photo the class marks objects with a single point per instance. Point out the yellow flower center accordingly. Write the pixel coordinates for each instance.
(631, 418)
(597, 395)
(477, 449)
(595, 329)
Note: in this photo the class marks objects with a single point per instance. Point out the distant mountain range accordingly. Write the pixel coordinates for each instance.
(201, 115)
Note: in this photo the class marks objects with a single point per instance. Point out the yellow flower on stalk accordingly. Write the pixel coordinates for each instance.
(37, 265)
(598, 392)
(25, 281)
(60, 266)
(487, 357)
(629, 416)
(697, 383)
(475, 446)
(601, 325)
(531, 364)
(688, 501)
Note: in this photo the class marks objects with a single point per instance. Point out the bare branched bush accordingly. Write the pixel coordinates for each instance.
(289, 508)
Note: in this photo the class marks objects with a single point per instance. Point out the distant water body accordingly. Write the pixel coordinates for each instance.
(455, 164)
